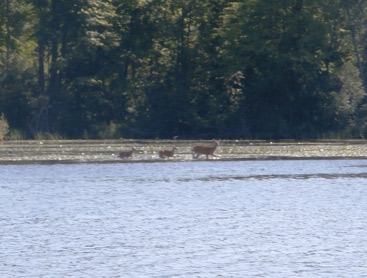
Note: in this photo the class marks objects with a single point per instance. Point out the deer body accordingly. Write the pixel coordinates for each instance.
(204, 149)
(167, 153)
(126, 154)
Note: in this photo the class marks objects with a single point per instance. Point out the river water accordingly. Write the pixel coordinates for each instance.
(287, 218)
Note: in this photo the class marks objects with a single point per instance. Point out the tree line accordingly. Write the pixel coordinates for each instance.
(194, 69)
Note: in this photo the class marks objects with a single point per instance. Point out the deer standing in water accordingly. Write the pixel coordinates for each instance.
(204, 149)
(126, 154)
(167, 153)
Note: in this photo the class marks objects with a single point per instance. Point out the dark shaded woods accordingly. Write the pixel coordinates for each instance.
(192, 69)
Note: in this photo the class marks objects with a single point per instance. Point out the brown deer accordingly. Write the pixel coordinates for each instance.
(204, 149)
(167, 153)
(126, 154)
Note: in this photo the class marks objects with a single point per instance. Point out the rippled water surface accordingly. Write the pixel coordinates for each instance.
(303, 218)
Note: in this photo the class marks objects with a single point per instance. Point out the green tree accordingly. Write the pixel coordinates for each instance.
(356, 22)
(16, 62)
(283, 51)
(182, 86)
(252, 69)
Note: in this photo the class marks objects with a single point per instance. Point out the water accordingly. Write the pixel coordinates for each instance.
(184, 219)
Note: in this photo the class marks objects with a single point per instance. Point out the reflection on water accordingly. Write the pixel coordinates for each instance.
(184, 219)
(269, 177)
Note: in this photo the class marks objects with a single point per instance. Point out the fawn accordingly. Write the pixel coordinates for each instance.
(167, 153)
(126, 154)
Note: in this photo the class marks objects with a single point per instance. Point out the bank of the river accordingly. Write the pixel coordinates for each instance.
(106, 151)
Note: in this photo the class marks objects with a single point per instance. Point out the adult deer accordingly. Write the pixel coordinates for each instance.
(126, 154)
(204, 149)
(167, 153)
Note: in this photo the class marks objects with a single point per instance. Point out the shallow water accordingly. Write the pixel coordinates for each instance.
(106, 151)
(303, 218)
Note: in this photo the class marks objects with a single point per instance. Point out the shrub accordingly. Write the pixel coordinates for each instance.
(4, 126)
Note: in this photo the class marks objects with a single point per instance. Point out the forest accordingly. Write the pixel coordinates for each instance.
(246, 69)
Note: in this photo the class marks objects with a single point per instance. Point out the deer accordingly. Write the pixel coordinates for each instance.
(205, 149)
(126, 154)
(167, 153)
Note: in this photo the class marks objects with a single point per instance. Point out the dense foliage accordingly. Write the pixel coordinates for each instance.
(187, 68)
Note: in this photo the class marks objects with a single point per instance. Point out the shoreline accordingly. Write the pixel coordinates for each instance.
(106, 151)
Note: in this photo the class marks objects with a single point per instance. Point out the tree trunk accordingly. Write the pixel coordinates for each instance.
(7, 37)
(53, 81)
(41, 67)
(352, 29)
